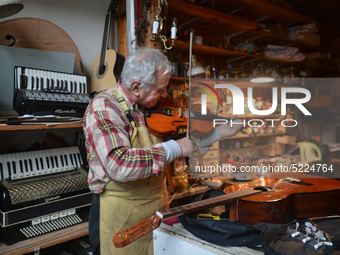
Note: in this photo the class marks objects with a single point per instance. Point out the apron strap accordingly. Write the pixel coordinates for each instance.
(127, 110)
(128, 113)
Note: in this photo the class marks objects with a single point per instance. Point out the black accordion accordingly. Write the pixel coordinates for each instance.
(42, 191)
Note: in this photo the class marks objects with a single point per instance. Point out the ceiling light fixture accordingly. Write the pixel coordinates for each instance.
(10, 7)
(261, 76)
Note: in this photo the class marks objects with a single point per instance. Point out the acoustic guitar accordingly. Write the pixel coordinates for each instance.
(270, 200)
(108, 65)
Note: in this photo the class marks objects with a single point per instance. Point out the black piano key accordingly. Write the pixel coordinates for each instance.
(21, 170)
(66, 161)
(62, 161)
(2, 176)
(32, 82)
(84, 87)
(79, 159)
(37, 83)
(8, 169)
(30, 165)
(37, 164)
(71, 159)
(26, 165)
(41, 83)
(41, 163)
(76, 163)
(14, 167)
(48, 162)
(56, 161)
(52, 162)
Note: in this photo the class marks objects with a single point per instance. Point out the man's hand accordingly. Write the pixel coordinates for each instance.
(186, 145)
(226, 130)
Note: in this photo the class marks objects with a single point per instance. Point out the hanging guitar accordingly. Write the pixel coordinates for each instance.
(270, 200)
(107, 66)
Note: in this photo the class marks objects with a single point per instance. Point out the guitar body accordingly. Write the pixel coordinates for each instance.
(108, 65)
(103, 78)
(314, 197)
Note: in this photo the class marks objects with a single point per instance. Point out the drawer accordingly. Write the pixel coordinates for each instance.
(210, 154)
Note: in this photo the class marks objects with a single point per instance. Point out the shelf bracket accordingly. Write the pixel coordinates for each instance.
(232, 35)
(238, 58)
(37, 251)
(237, 10)
(188, 22)
(249, 61)
(258, 20)
(254, 38)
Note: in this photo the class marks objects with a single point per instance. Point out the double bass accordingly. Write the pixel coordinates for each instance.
(272, 200)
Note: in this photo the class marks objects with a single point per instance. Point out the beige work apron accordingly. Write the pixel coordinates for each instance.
(125, 204)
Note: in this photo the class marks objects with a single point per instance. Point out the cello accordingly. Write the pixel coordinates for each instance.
(272, 200)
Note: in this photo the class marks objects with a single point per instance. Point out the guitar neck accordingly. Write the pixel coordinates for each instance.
(105, 39)
(144, 227)
(199, 205)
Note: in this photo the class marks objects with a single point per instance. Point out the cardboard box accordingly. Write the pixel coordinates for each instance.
(281, 3)
(312, 38)
(275, 150)
(279, 29)
(286, 139)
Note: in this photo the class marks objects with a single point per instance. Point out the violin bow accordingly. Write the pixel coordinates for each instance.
(190, 72)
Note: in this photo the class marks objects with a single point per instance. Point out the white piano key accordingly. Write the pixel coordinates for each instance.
(63, 81)
(71, 159)
(25, 158)
(18, 78)
(79, 159)
(84, 84)
(60, 83)
(75, 84)
(53, 85)
(2, 167)
(17, 165)
(65, 84)
(38, 77)
(70, 83)
(44, 75)
(61, 161)
(37, 161)
(34, 79)
(56, 85)
(13, 159)
(45, 158)
(28, 73)
(79, 88)
(6, 166)
(49, 80)
(9, 165)
(56, 161)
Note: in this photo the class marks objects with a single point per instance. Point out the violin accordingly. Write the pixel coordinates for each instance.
(169, 115)
(166, 117)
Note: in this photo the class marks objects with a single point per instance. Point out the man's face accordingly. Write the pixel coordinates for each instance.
(150, 98)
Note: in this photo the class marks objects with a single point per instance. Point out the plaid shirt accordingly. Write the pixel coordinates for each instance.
(108, 135)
